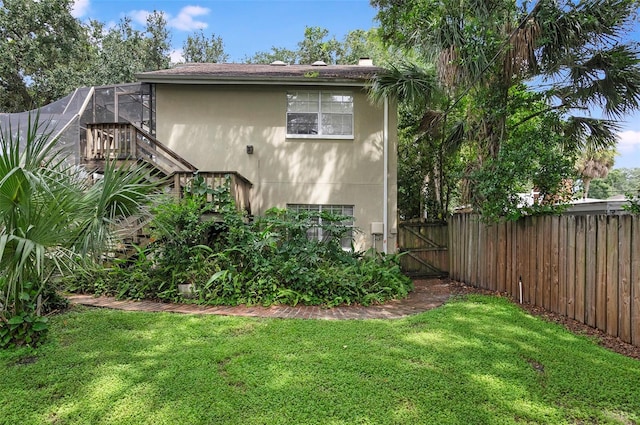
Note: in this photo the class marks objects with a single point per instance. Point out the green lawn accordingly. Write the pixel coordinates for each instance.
(479, 360)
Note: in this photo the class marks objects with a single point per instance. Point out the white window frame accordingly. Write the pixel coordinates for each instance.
(320, 134)
(316, 232)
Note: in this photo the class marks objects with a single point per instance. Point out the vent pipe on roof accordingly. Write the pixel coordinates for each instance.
(365, 62)
(319, 63)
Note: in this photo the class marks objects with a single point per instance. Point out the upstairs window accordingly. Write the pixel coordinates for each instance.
(320, 114)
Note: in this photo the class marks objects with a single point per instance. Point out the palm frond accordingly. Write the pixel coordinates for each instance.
(45, 205)
(582, 133)
(408, 82)
(122, 192)
(450, 72)
(567, 31)
(456, 137)
(521, 56)
(609, 79)
(431, 122)
(596, 163)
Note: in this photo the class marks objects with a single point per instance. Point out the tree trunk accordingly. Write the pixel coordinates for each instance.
(585, 191)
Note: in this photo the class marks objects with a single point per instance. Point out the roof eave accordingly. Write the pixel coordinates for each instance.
(280, 81)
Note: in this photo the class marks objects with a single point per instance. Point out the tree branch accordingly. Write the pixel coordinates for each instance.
(535, 114)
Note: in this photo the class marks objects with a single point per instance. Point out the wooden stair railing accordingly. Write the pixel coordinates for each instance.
(127, 142)
(239, 186)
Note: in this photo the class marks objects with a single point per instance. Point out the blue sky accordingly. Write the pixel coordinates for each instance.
(250, 26)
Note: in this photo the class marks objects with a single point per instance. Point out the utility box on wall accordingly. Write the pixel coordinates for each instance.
(377, 228)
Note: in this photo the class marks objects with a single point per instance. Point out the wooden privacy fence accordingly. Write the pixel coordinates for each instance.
(584, 267)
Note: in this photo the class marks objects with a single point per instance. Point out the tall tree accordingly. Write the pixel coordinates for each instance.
(619, 181)
(276, 54)
(44, 52)
(48, 53)
(123, 51)
(483, 50)
(486, 48)
(118, 52)
(200, 49)
(355, 46)
(594, 164)
(316, 46)
(367, 44)
(158, 43)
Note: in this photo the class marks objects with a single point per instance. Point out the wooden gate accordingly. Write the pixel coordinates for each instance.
(424, 248)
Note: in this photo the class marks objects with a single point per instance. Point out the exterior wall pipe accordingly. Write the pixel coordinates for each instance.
(385, 177)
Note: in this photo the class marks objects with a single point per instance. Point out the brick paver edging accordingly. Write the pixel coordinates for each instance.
(427, 294)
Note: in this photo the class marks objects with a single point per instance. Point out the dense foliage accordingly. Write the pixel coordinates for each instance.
(51, 219)
(198, 48)
(634, 204)
(208, 245)
(618, 181)
(318, 45)
(49, 53)
(480, 74)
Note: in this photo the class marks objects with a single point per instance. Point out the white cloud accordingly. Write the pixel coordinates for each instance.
(185, 20)
(177, 56)
(629, 141)
(79, 8)
(139, 16)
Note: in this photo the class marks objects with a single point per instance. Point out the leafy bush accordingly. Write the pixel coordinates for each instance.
(26, 326)
(210, 245)
(51, 219)
(524, 163)
(634, 203)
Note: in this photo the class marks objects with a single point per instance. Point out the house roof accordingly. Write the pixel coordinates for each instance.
(598, 206)
(233, 73)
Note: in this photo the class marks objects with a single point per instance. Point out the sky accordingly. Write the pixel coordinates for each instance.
(250, 26)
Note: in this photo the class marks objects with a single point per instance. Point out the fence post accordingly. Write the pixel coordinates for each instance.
(624, 276)
(635, 279)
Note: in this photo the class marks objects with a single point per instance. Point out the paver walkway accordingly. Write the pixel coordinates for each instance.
(427, 294)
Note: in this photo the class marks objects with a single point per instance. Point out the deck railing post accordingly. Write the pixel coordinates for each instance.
(90, 144)
(233, 190)
(176, 185)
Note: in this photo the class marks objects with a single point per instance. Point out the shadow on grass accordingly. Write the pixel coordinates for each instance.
(479, 360)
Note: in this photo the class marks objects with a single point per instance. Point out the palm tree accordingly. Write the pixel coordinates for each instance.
(486, 48)
(51, 216)
(574, 53)
(594, 164)
(435, 132)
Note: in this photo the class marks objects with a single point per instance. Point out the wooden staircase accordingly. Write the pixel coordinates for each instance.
(127, 143)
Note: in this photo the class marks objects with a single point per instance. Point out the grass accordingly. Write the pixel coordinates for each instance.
(475, 360)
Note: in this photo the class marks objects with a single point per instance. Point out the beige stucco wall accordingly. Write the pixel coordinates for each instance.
(211, 125)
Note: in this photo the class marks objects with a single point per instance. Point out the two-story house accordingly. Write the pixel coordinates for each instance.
(305, 137)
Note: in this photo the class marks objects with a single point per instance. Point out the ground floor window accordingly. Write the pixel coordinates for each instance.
(318, 232)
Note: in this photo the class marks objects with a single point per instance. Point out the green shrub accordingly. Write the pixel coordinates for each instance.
(51, 219)
(26, 326)
(228, 261)
(633, 205)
